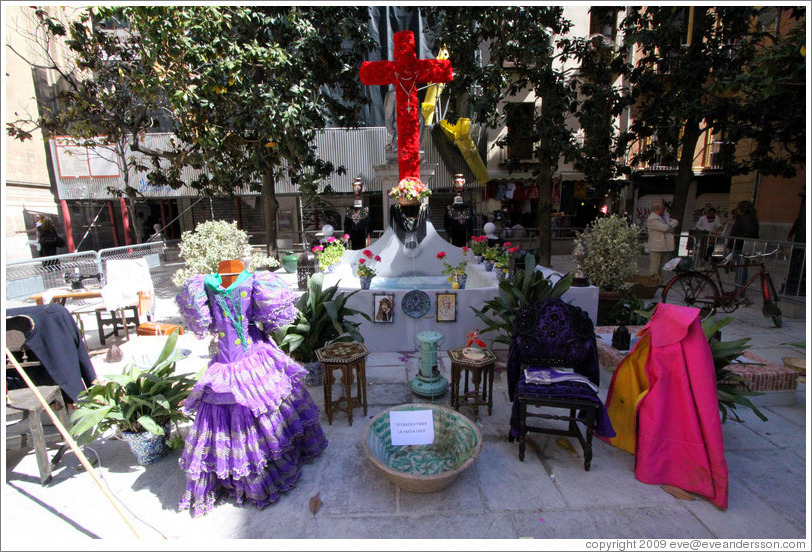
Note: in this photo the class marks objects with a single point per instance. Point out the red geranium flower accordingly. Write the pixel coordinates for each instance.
(378, 258)
(362, 261)
(465, 249)
(514, 249)
(368, 253)
(441, 255)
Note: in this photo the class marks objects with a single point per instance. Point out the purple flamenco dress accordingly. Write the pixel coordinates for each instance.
(254, 421)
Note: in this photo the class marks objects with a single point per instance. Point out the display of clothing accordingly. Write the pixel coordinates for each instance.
(255, 424)
(57, 343)
(409, 219)
(663, 405)
(459, 224)
(358, 224)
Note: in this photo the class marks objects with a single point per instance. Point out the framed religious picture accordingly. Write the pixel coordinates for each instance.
(383, 308)
(446, 307)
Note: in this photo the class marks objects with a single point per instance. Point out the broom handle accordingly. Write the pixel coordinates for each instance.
(68, 439)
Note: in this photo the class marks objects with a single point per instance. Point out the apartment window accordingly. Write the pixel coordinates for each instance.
(519, 119)
(603, 20)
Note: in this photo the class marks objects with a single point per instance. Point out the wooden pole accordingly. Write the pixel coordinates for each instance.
(71, 442)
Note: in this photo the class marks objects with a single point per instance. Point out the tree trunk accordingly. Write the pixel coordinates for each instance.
(544, 182)
(270, 206)
(685, 174)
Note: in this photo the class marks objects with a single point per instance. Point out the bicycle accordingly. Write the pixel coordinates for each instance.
(697, 288)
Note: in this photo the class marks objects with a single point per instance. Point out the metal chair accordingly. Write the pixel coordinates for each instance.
(22, 404)
(554, 342)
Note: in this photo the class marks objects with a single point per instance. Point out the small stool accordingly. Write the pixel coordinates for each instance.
(26, 402)
(345, 357)
(481, 372)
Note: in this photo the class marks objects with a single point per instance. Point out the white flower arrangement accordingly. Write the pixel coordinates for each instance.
(612, 253)
(212, 242)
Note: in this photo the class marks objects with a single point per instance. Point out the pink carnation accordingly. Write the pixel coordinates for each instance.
(331, 239)
(346, 236)
(318, 248)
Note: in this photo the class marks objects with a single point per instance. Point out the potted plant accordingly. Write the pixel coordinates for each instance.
(331, 254)
(528, 288)
(365, 267)
(456, 273)
(610, 263)
(478, 246)
(489, 256)
(323, 318)
(140, 404)
(214, 241)
(502, 260)
(409, 191)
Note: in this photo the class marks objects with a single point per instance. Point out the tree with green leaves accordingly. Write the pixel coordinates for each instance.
(521, 53)
(98, 92)
(243, 89)
(705, 68)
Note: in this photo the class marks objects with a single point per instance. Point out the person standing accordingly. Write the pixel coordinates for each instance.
(745, 226)
(709, 225)
(660, 238)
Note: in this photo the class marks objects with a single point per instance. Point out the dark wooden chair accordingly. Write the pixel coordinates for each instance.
(560, 337)
(22, 404)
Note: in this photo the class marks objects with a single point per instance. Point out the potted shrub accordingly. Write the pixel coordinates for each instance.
(141, 404)
(214, 241)
(610, 263)
(323, 318)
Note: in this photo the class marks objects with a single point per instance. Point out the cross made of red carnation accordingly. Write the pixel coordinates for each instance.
(405, 72)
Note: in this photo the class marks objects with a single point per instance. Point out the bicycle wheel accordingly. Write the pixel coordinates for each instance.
(692, 290)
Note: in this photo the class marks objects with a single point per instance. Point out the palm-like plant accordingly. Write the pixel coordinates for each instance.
(138, 400)
(526, 289)
(323, 318)
(731, 388)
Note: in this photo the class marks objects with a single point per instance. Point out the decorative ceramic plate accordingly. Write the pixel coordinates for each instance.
(473, 353)
(416, 303)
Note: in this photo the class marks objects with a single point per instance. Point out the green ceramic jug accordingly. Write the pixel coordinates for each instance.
(290, 260)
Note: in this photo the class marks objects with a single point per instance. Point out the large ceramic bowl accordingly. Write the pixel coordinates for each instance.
(424, 468)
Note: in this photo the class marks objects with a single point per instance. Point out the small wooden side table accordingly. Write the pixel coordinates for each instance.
(345, 357)
(481, 372)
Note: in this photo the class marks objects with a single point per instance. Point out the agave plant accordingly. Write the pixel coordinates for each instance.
(731, 388)
(323, 318)
(526, 289)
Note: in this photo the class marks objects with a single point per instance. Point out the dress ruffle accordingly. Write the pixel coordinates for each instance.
(252, 458)
(194, 306)
(260, 381)
(273, 302)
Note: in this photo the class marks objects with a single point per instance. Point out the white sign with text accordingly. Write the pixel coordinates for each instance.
(412, 427)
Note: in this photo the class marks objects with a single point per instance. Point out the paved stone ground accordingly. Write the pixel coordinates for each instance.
(548, 496)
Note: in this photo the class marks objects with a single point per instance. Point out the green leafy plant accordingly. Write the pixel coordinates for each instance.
(214, 241)
(526, 289)
(333, 252)
(490, 253)
(612, 252)
(731, 388)
(137, 400)
(323, 318)
(627, 311)
(454, 270)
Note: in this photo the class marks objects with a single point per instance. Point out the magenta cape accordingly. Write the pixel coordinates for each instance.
(663, 405)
